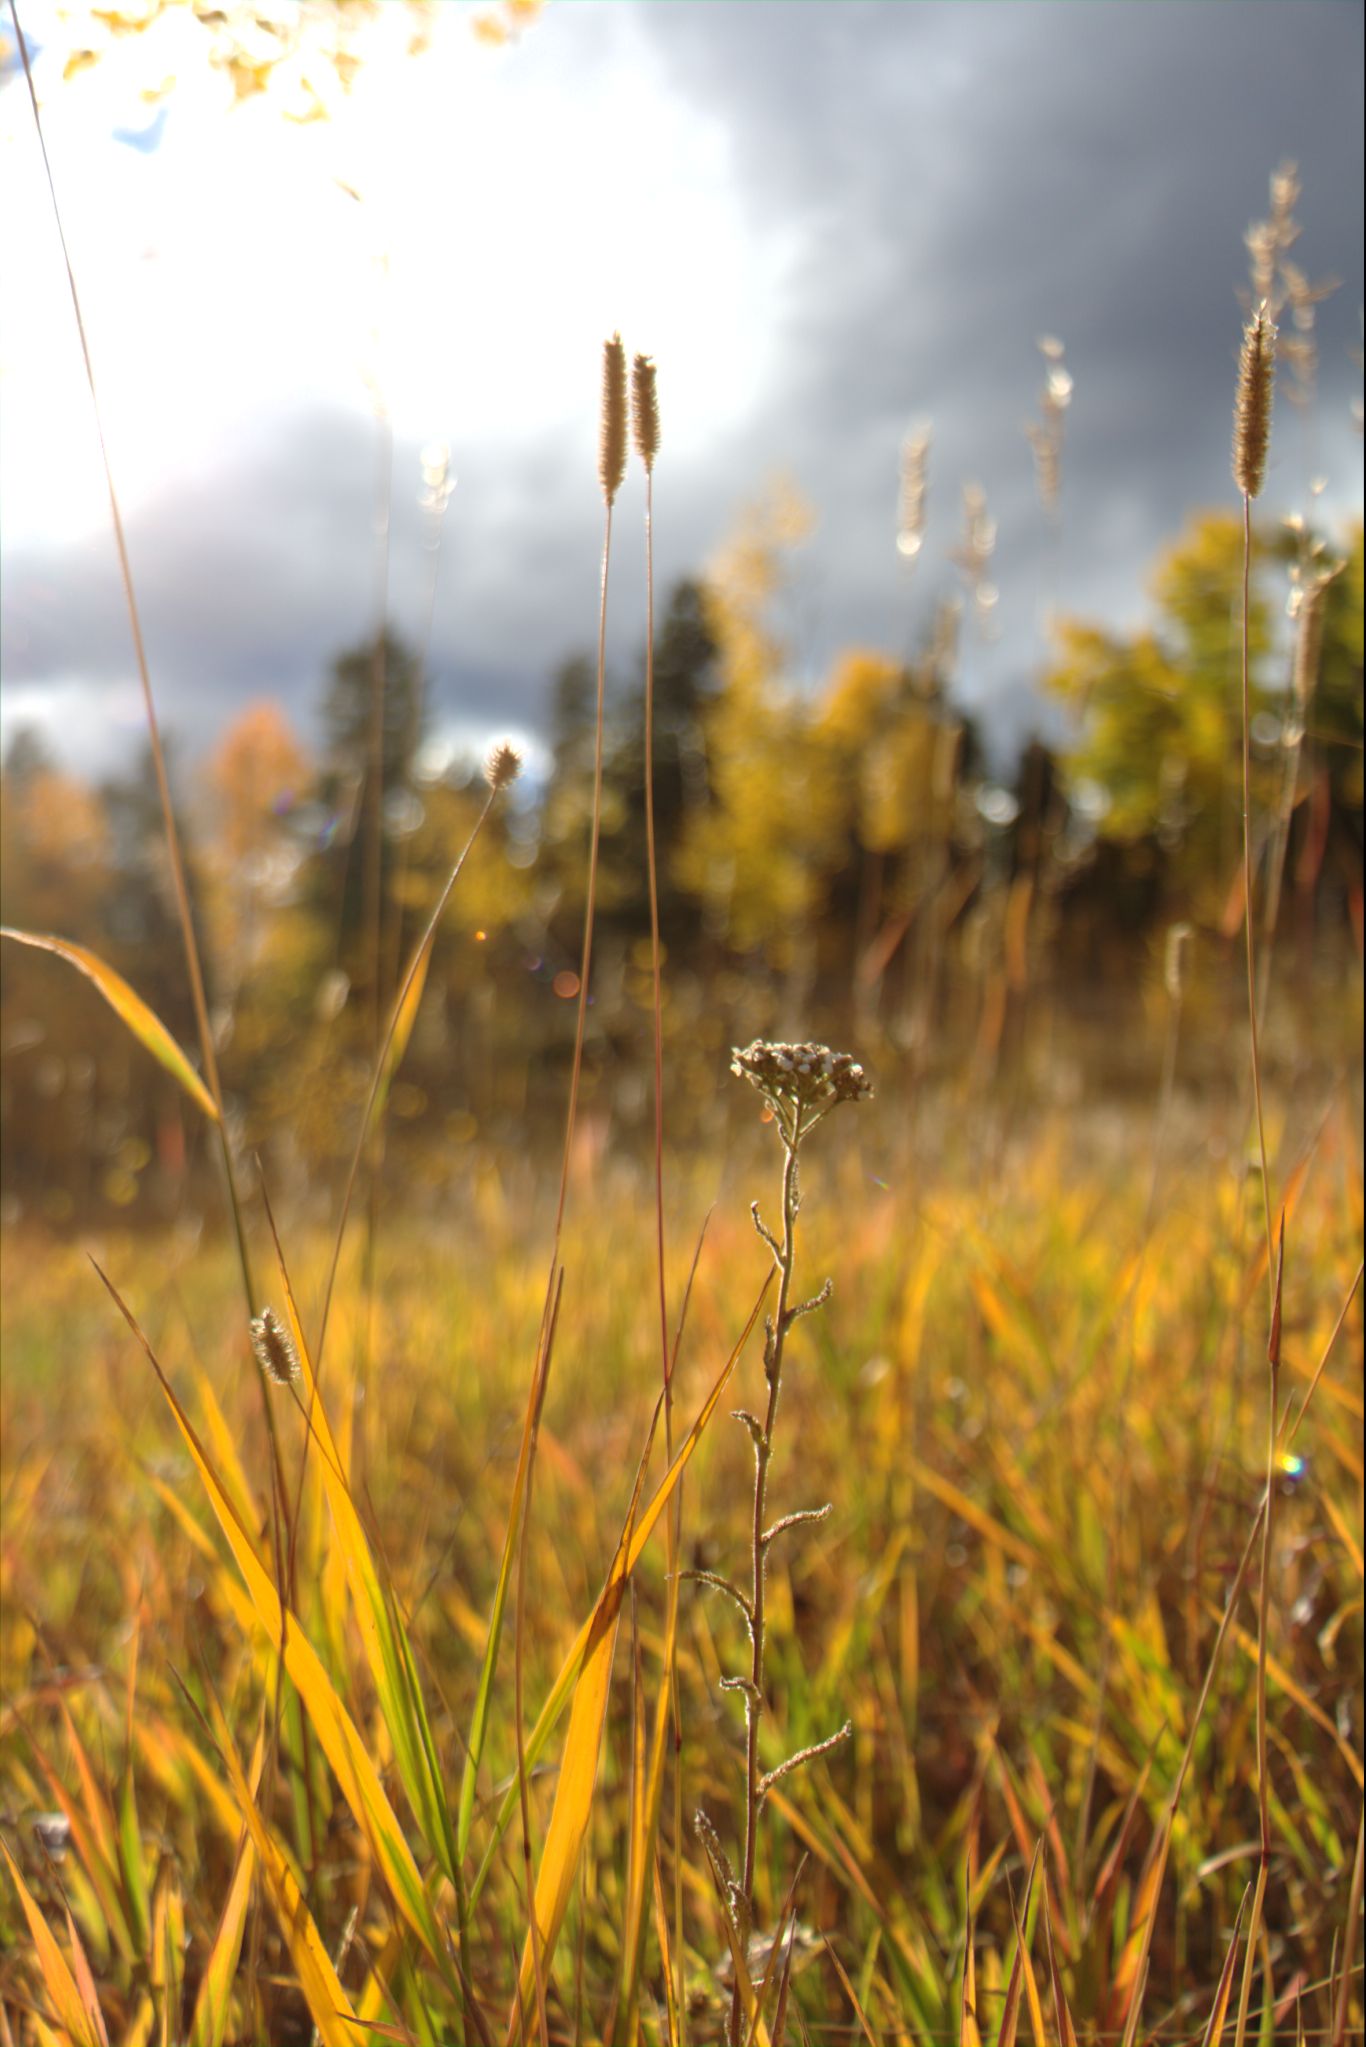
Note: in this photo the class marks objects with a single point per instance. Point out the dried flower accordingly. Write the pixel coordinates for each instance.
(801, 1076)
(503, 766)
(274, 1348)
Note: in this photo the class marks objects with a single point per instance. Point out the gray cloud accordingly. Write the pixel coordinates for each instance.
(952, 181)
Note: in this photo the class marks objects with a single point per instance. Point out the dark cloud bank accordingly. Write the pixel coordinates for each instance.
(954, 181)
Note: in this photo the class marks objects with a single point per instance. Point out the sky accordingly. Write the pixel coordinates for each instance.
(831, 223)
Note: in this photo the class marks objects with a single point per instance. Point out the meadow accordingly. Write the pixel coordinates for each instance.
(417, 1620)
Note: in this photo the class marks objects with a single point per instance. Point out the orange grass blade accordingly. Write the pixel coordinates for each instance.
(147, 1028)
(331, 2008)
(562, 1689)
(578, 1768)
(85, 1982)
(1010, 2010)
(336, 1731)
(213, 2004)
(61, 1984)
(1214, 2031)
(387, 1648)
(1062, 2016)
(869, 2035)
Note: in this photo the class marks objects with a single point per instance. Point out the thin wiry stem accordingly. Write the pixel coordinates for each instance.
(590, 904)
(1247, 908)
(1273, 1285)
(763, 1452)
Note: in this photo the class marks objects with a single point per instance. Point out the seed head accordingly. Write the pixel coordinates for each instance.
(274, 1348)
(1252, 409)
(1177, 955)
(801, 1076)
(644, 410)
(503, 766)
(612, 436)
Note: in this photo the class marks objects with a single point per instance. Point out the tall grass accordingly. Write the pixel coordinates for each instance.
(266, 1771)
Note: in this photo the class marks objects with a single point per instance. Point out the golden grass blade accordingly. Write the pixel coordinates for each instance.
(643, 1851)
(213, 2005)
(62, 1988)
(562, 1689)
(384, 1638)
(147, 1028)
(483, 1697)
(1062, 2016)
(1010, 2010)
(93, 1833)
(85, 1981)
(333, 2016)
(859, 2013)
(577, 1777)
(341, 1743)
(1214, 2031)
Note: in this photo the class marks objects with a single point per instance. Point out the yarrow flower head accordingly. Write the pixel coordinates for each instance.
(274, 1348)
(796, 1078)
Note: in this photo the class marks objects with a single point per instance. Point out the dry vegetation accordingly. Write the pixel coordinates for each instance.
(364, 1668)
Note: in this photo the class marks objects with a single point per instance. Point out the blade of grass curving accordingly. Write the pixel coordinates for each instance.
(562, 1689)
(150, 1032)
(61, 1984)
(578, 1771)
(341, 1743)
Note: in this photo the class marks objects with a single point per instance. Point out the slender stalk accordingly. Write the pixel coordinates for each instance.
(1247, 927)
(591, 899)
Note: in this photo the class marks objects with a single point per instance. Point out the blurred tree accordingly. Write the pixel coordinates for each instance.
(1156, 759)
(257, 777)
(759, 856)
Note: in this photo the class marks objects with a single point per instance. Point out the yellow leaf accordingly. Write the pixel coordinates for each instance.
(148, 1029)
(61, 1984)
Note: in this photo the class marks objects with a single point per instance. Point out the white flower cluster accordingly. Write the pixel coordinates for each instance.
(808, 1076)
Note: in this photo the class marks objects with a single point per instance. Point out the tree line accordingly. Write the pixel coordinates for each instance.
(839, 861)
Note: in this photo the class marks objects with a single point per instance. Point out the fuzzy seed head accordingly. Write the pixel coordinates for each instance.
(792, 1077)
(1177, 958)
(503, 766)
(644, 410)
(274, 1348)
(612, 436)
(1252, 410)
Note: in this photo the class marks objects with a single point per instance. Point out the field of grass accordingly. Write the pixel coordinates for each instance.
(1039, 1420)
(423, 1630)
